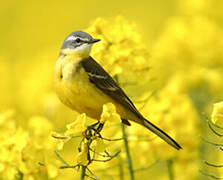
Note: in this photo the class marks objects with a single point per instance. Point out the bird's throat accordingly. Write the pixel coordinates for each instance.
(73, 54)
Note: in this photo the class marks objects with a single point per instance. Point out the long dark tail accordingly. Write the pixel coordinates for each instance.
(161, 134)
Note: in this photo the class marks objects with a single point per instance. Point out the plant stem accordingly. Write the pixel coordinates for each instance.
(121, 173)
(170, 169)
(83, 169)
(125, 138)
(128, 157)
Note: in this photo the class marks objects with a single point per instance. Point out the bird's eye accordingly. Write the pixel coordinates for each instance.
(78, 40)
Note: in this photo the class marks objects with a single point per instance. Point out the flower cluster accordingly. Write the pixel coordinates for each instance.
(24, 151)
(173, 80)
(92, 144)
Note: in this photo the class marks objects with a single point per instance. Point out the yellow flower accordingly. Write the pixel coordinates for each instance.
(40, 125)
(52, 171)
(109, 113)
(77, 127)
(186, 66)
(6, 116)
(61, 139)
(98, 145)
(82, 157)
(121, 46)
(217, 113)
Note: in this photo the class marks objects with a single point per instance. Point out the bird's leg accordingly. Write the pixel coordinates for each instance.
(99, 128)
(92, 127)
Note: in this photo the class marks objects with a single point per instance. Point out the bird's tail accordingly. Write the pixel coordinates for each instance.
(161, 134)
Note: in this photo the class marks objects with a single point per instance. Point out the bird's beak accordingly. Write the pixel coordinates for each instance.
(93, 41)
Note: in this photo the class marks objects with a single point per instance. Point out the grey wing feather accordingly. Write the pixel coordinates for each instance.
(102, 80)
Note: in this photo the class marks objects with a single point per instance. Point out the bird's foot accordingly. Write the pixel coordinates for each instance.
(94, 130)
(93, 126)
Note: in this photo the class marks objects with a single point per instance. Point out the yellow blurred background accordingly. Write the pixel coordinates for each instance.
(183, 47)
(32, 33)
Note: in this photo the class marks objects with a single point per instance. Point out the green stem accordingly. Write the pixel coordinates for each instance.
(128, 157)
(121, 173)
(83, 169)
(170, 169)
(125, 138)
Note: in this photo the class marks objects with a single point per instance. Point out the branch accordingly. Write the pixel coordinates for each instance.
(110, 157)
(146, 167)
(215, 132)
(210, 175)
(213, 165)
(61, 159)
(209, 142)
(215, 125)
(128, 156)
(66, 167)
(125, 138)
(83, 169)
(106, 139)
(170, 168)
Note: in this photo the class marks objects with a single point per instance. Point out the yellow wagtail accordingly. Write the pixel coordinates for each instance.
(83, 85)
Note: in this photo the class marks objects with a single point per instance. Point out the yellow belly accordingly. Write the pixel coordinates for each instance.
(76, 91)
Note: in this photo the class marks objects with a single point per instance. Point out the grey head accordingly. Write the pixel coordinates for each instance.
(79, 40)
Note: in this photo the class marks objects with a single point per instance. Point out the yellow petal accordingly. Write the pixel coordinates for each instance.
(77, 127)
(109, 113)
(217, 113)
(59, 136)
(60, 139)
(52, 171)
(82, 157)
(99, 145)
(40, 125)
(6, 116)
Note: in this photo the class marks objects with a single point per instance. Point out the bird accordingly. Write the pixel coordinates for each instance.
(83, 85)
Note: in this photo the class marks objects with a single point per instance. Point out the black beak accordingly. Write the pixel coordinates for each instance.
(93, 41)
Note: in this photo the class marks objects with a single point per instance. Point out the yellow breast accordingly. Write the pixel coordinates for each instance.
(75, 90)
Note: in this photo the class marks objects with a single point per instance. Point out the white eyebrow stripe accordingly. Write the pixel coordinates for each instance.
(71, 38)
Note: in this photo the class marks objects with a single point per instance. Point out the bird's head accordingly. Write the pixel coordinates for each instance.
(78, 42)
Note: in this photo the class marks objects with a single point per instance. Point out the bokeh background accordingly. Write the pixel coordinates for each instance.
(174, 52)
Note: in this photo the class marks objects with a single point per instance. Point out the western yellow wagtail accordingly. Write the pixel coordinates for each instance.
(83, 85)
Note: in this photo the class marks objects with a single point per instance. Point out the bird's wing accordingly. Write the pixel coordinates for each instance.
(102, 80)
